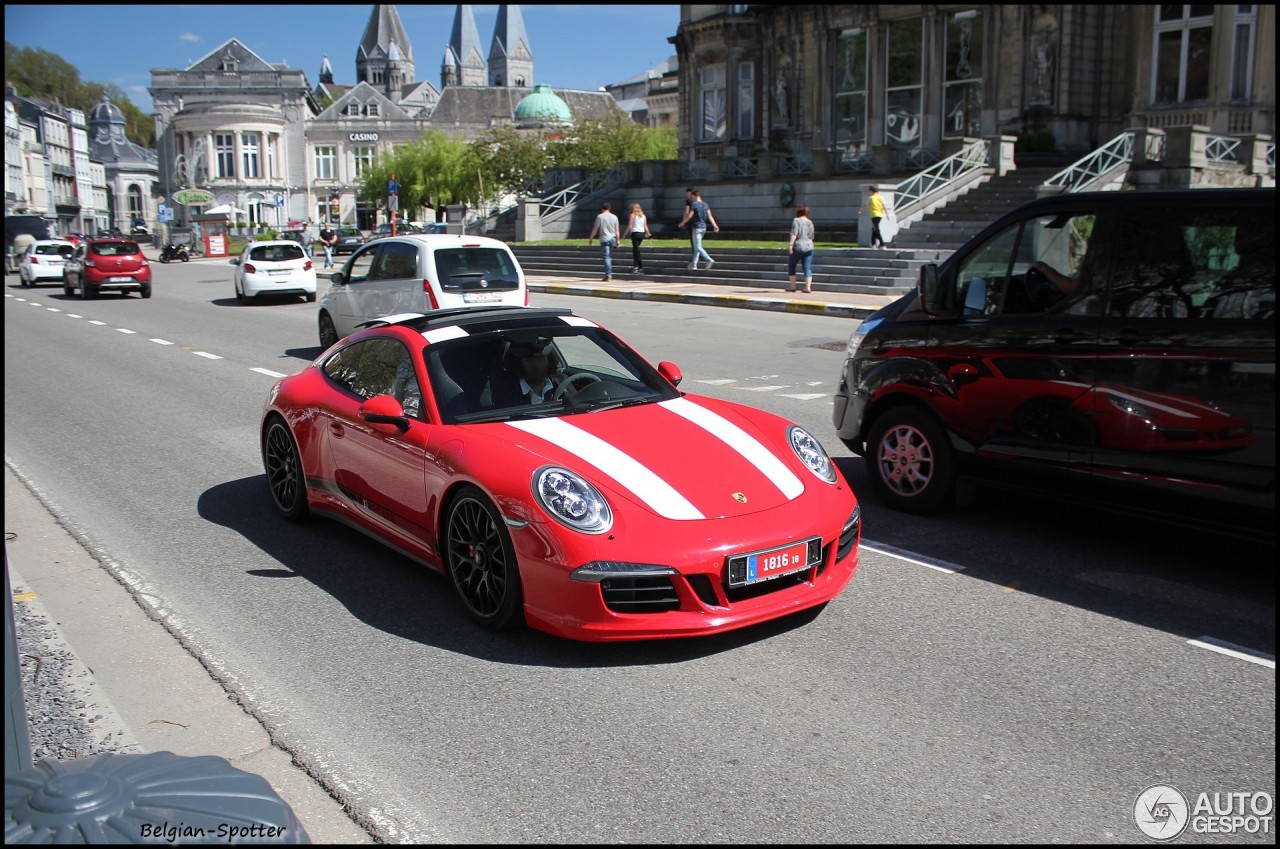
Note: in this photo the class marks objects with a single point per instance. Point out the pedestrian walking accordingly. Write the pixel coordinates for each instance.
(800, 252)
(699, 216)
(638, 227)
(328, 238)
(875, 205)
(309, 238)
(607, 226)
(688, 202)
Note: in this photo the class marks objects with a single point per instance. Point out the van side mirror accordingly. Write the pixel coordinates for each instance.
(930, 292)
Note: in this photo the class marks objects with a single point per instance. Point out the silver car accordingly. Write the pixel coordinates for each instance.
(416, 274)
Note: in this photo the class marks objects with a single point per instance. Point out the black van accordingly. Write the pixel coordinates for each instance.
(1115, 346)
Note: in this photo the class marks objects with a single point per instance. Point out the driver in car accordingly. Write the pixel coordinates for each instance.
(535, 384)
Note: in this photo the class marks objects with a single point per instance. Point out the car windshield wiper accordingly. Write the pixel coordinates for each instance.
(601, 406)
(507, 415)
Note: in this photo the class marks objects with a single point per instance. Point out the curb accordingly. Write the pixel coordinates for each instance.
(736, 301)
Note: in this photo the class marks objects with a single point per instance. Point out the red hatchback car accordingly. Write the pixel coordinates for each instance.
(107, 265)
(558, 479)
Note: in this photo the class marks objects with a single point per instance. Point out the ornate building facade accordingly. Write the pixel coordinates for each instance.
(846, 79)
(260, 139)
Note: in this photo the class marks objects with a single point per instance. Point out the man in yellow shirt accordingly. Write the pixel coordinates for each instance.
(876, 204)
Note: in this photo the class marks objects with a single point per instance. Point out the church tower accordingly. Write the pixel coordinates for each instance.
(463, 62)
(326, 72)
(510, 60)
(384, 58)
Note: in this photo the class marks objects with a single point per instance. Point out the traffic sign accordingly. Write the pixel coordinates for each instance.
(279, 199)
(393, 203)
(393, 188)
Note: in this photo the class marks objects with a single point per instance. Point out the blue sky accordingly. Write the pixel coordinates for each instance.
(581, 47)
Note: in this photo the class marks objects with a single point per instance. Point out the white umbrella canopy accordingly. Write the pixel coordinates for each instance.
(228, 210)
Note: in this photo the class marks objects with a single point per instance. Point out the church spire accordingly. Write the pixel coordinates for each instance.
(510, 60)
(384, 58)
(463, 62)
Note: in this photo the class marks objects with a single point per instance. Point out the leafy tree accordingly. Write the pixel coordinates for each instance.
(38, 73)
(598, 145)
(509, 160)
(433, 171)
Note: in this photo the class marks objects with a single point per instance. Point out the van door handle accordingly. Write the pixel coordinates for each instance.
(1129, 336)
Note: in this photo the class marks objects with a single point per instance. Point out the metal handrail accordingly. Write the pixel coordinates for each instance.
(1092, 167)
(938, 176)
(568, 197)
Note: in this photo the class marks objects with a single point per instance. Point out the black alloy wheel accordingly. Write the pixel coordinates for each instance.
(285, 477)
(481, 561)
(328, 333)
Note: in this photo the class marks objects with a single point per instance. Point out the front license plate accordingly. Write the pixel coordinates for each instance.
(119, 279)
(480, 297)
(774, 563)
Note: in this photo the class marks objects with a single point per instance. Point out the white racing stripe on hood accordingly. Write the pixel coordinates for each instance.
(661, 497)
(741, 441)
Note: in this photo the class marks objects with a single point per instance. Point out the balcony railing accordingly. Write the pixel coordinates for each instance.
(744, 167)
(788, 165)
(1221, 150)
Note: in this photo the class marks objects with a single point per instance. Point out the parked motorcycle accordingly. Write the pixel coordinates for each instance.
(171, 253)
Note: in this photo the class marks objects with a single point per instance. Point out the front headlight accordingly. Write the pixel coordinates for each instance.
(860, 333)
(571, 500)
(811, 453)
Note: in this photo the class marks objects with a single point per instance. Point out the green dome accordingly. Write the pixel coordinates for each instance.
(543, 105)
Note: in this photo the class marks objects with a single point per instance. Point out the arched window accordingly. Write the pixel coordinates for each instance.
(135, 200)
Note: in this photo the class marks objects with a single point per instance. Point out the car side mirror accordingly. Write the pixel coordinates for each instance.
(384, 410)
(671, 372)
(234, 261)
(337, 279)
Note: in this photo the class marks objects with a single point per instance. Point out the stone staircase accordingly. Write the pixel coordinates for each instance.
(950, 226)
(850, 270)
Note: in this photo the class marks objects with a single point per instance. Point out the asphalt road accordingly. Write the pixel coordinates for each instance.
(1009, 672)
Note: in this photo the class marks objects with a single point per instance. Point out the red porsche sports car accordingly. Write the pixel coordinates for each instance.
(558, 479)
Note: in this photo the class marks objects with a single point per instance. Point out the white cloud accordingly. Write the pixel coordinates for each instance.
(188, 36)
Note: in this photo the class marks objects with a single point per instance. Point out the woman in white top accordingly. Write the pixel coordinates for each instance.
(638, 227)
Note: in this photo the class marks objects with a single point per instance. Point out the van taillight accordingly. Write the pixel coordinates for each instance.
(431, 298)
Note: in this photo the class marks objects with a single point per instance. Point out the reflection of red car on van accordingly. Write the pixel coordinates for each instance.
(1128, 419)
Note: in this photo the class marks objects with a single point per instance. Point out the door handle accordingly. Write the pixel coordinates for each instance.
(337, 430)
(1129, 336)
(1065, 335)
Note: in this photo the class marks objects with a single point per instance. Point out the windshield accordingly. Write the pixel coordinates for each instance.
(532, 372)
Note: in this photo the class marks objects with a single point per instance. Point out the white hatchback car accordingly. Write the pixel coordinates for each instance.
(419, 273)
(46, 259)
(278, 267)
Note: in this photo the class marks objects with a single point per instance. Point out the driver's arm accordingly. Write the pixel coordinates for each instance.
(1066, 285)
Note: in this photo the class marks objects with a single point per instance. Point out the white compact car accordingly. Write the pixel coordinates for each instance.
(279, 267)
(46, 259)
(419, 273)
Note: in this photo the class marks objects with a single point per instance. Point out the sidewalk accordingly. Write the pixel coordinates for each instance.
(146, 692)
(638, 288)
